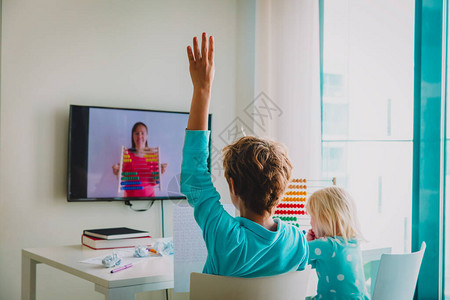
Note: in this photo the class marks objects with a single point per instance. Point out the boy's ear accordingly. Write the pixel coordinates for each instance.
(231, 184)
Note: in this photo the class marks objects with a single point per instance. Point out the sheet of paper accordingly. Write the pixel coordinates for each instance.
(190, 249)
(127, 256)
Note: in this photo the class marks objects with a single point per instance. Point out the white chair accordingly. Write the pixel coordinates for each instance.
(397, 275)
(286, 286)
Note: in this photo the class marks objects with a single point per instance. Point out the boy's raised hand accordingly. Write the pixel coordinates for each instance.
(201, 63)
(201, 68)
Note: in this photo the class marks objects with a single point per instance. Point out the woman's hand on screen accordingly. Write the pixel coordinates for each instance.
(163, 168)
(115, 169)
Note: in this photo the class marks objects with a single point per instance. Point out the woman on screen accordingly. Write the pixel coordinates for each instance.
(140, 168)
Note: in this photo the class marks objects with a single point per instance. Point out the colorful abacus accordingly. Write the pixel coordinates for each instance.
(291, 208)
(139, 172)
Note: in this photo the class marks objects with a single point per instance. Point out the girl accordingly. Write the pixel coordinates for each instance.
(333, 245)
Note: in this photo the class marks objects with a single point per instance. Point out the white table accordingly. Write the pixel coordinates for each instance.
(152, 274)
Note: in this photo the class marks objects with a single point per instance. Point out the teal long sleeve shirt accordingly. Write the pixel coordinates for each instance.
(339, 269)
(237, 246)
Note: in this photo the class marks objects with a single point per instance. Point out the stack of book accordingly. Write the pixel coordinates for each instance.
(119, 237)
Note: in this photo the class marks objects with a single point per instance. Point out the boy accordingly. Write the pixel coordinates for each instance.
(257, 172)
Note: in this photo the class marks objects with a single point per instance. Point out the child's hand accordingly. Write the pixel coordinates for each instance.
(201, 63)
(311, 236)
(201, 67)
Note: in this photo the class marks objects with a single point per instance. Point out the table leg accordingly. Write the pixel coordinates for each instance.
(28, 278)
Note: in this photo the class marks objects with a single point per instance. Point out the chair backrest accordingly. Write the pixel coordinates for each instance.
(292, 285)
(397, 275)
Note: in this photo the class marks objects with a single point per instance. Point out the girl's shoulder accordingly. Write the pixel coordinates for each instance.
(345, 243)
(336, 241)
(322, 248)
(327, 242)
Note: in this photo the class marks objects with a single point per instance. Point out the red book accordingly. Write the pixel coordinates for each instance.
(96, 243)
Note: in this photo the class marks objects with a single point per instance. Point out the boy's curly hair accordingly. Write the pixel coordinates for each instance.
(261, 171)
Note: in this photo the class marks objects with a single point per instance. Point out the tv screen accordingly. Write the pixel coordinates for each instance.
(124, 154)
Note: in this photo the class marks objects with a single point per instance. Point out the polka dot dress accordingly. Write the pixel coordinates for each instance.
(339, 268)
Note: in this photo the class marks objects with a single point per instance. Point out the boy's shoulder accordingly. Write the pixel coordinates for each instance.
(291, 231)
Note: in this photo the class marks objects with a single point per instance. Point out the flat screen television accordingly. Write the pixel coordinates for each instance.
(121, 154)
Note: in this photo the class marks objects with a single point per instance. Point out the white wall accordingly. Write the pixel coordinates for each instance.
(106, 53)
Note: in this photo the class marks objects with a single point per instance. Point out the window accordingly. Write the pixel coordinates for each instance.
(367, 112)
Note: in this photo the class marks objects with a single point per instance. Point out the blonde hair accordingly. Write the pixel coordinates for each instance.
(334, 212)
(261, 171)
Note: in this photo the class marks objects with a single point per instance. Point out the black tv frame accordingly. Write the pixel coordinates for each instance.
(79, 144)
